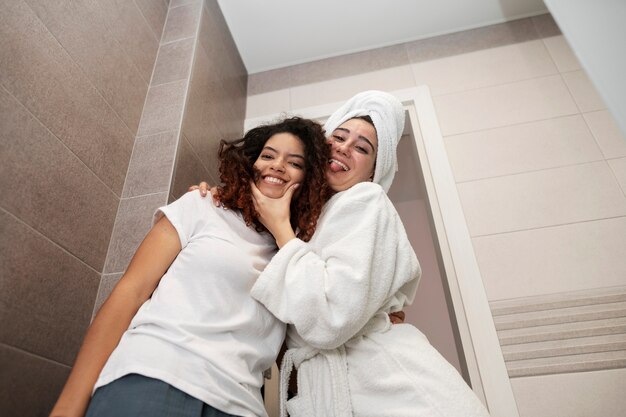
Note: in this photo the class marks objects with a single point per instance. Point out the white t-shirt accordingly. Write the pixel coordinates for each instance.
(201, 331)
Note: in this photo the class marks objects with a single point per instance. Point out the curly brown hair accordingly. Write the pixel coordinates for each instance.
(236, 172)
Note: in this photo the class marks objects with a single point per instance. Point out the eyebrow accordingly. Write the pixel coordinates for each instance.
(291, 155)
(360, 137)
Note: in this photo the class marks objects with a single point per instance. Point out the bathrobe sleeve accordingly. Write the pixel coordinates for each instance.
(358, 263)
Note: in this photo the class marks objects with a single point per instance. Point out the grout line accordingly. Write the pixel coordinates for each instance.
(17, 349)
(175, 40)
(40, 234)
(106, 186)
(89, 81)
(486, 87)
(144, 195)
(123, 49)
(183, 137)
(548, 226)
(486, 129)
(530, 171)
(156, 37)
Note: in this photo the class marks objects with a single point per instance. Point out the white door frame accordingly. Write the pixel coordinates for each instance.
(481, 348)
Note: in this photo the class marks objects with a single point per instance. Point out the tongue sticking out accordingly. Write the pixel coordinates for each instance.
(335, 167)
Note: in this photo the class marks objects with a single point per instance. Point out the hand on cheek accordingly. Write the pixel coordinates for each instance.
(275, 213)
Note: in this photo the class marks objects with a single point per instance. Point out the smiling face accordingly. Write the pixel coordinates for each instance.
(353, 154)
(280, 164)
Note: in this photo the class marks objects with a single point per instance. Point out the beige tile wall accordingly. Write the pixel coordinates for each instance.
(73, 80)
(530, 142)
(539, 163)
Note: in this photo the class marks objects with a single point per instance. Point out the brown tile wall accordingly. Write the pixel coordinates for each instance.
(216, 102)
(196, 97)
(74, 77)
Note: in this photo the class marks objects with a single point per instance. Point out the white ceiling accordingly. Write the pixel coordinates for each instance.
(277, 33)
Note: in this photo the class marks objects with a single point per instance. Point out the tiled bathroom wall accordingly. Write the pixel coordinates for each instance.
(92, 98)
(539, 166)
(196, 97)
(73, 81)
(216, 103)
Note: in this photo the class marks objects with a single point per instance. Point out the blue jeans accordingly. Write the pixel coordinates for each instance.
(139, 396)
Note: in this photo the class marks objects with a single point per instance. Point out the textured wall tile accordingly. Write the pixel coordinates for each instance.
(174, 62)
(472, 40)
(519, 102)
(31, 385)
(46, 186)
(133, 32)
(598, 393)
(219, 76)
(220, 47)
(134, 219)
(504, 64)
(163, 109)
(107, 283)
(40, 74)
(182, 22)
(80, 28)
(583, 91)
(155, 12)
(189, 170)
(267, 81)
(543, 198)
(611, 140)
(546, 26)
(341, 89)
(550, 260)
(177, 3)
(520, 148)
(268, 103)
(202, 127)
(152, 164)
(619, 169)
(350, 64)
(561, 53)
(205, 93)
(46, 294)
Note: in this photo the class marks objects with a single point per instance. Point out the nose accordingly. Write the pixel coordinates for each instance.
(342, 147)
(278, 165)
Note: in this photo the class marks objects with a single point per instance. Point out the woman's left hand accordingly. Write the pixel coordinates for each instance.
(397, 317)
(275, 213)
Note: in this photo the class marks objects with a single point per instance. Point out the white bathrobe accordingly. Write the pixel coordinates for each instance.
(335, 292)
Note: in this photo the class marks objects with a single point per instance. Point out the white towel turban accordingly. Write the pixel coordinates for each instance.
(387, 113)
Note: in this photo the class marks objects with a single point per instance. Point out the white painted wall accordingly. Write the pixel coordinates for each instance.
(596, 31)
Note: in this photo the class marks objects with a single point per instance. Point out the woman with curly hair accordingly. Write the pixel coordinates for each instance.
(180, 334)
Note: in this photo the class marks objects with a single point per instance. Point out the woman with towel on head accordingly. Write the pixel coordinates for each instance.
(336, 291)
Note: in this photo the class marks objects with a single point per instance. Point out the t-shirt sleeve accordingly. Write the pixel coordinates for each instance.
(188, 214)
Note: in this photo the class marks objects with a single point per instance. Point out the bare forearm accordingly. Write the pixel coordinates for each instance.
(102, 337)
(282, 233)
(153, 257)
